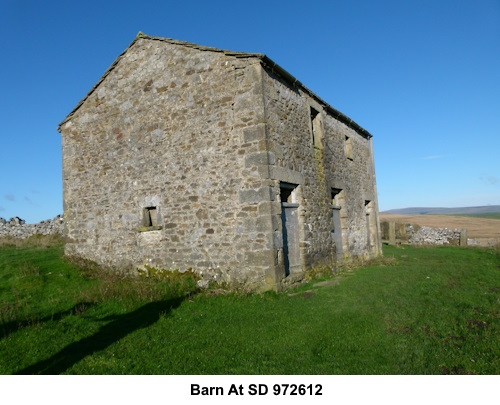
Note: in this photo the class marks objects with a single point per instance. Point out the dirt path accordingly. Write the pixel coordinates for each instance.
(476, 227)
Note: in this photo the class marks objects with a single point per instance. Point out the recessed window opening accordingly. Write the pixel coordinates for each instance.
(336, 231)
(287, 194)
(290, 228)
(335, 196)
(316, 128)
(348, 148)
(150, 219)
(369, 225)
(150, 216)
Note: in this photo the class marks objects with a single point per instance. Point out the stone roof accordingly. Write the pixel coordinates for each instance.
(265, 61)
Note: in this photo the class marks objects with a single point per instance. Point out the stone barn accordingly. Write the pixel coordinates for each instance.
(189, 157)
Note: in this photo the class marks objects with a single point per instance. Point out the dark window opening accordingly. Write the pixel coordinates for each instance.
(150, 218)
(336, 230)
(314, 114)
(335, 193)
(369, 239)
(286, 190)
(317, 131)
(290, 228)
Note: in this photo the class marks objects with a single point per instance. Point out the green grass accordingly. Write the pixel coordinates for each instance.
(427, 311)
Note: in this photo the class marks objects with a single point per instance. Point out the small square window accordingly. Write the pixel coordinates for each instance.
(288, 192)
(150, 219)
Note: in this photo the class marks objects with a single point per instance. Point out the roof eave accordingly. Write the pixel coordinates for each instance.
(265, 61)
(278, 70)
(141, 35)
(106, 73)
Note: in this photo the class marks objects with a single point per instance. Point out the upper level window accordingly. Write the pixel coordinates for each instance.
(336, 196)
(316, 128)
(348, 148)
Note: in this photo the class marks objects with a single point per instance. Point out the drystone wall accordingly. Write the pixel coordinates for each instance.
(484, 242)
(18, 228)
(432, 236)
(398, 233)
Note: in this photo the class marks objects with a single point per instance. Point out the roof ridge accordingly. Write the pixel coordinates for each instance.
(265, 61)
(142, 35)
(172, 41)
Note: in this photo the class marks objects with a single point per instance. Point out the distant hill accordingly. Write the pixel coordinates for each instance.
(489, 209)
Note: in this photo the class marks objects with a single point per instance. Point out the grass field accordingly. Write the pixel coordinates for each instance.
(493, 215)
(419, 311)
(478, 226)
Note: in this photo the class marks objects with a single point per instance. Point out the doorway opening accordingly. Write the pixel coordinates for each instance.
(290, 228)
(336, 205)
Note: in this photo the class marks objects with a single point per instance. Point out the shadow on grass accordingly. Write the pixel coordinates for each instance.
(118, 327)
(10, 327)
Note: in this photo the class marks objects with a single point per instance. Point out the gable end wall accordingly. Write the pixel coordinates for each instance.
(181, 130)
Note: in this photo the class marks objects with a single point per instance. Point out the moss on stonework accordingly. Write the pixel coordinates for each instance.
(320, 171)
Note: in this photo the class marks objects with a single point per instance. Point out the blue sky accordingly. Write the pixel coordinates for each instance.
(422, 76)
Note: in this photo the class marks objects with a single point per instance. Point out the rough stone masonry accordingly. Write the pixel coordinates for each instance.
(18, 228)
(188, 157)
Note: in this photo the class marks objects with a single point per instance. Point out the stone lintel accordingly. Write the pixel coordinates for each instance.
(336, 183)
(285, 175)
(368, 197)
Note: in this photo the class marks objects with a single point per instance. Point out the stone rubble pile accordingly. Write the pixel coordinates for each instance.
(18, 228)
(432, 236)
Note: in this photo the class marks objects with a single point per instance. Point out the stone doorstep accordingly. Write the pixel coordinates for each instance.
(305, 294)
(326, 283)
(310, 293)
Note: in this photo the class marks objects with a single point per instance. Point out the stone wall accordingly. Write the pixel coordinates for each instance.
(175, 160)
(399, 233)
(18, 228)
(484, 242)
(317, 166)
(432, 236)
(174, 128)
